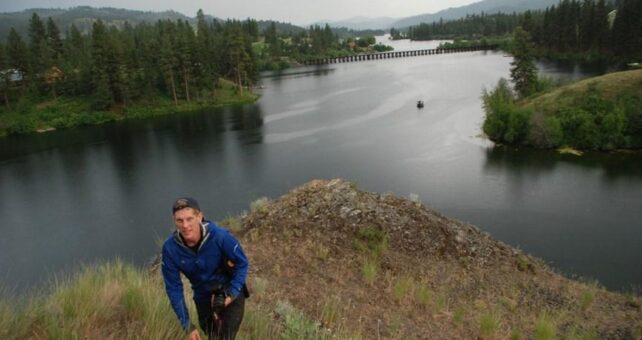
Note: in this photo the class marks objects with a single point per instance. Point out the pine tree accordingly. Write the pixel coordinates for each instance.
(523, 72)
(168, 58)
(626, 29)
(100, 50)
(207, 58)
(54, 42)
(236, 56)
(5, 77)
(186, 55)
(587, 25)
(18, 56)
(39, 56)
(601, 28)
(76, 63)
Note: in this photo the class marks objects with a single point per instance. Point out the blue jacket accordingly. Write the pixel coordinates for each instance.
(200, 267)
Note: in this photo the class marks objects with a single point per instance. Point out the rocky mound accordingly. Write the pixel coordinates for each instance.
(371, 265)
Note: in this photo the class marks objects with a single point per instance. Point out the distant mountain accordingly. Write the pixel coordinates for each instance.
(84, 17)
(486, 6)
(360, 23)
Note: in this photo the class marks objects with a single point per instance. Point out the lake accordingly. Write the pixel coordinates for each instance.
(74, 197)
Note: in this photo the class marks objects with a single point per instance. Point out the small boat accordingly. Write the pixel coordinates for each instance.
(420, 104)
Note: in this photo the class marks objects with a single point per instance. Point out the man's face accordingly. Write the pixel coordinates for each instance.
(188, 224)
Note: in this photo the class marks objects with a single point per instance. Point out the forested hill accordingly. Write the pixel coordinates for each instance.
(84, 16)
(485, 6)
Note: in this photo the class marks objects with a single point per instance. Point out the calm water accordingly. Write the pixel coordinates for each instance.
(73, 197)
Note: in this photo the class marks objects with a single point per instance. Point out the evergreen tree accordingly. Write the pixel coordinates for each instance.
(168, 58)
(76, 63)
(38, 51)
(523, 72)
(5, 76)
(237, 58)
(207, 57)
(601, 28)
(587, 26)
(627, 26)
(54, 42)
(186, 55)
(17, 56)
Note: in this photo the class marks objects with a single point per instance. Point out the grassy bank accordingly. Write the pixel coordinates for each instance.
(113, 300)
(38, 115)
(600, 113)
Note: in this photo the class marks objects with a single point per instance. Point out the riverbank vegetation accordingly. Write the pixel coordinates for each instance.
(601, 113)
(42, 114)
(579, 30)
(349, 264)
(52, 82)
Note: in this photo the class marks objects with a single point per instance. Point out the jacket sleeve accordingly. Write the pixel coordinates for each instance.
(174, 288)
(233, 251)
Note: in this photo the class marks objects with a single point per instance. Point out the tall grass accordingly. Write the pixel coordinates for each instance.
(545, 328)
(114, 301)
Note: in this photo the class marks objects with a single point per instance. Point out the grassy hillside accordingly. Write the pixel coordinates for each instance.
(601, 113)
(609, 86)
(330, 261)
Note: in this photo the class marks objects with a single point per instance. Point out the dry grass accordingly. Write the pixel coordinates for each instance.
(609, 85)
(417, 287)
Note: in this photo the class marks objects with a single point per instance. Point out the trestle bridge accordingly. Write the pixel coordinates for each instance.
(397, 54)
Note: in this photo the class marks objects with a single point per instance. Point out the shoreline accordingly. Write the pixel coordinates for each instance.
(47, 116)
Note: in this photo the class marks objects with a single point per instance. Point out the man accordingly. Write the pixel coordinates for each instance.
(215, 265)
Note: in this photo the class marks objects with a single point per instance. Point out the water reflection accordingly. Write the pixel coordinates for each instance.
(525, 162)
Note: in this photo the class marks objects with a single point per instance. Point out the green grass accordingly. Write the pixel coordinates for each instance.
(260, 205)
(545, 328)
(232, 223)
(117, 301)
(372, 240)
(330, 313)
(488, 324)
(423, 294)
(369, 270)
(297, 326)
(110, 300)
(31, 114)
(586, 299)
(402, 288)
(609, 85)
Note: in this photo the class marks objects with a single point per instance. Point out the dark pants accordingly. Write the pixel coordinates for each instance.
(226, 328)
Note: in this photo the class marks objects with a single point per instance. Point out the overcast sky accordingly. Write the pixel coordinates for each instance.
(294, 11)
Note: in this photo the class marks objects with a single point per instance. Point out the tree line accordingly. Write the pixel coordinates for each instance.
(598, 27)
(114, 67)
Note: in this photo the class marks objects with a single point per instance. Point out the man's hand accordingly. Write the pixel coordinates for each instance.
(228, 300)
(195, 335)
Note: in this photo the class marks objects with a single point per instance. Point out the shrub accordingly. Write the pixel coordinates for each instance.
(504, 122)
